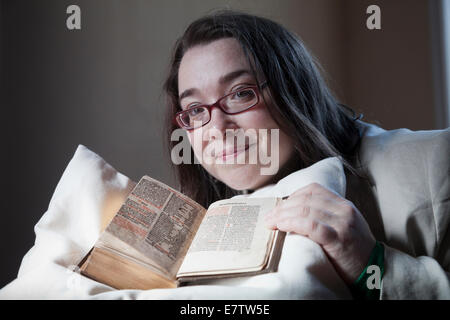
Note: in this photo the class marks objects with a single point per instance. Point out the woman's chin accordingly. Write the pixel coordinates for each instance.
(238, 186)
(244, 181)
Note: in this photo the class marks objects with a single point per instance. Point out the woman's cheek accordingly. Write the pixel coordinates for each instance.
(200, 148)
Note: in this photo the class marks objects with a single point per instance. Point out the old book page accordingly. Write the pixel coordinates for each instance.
(231, 238)
(155, 226)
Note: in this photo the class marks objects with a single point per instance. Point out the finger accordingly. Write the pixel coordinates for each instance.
(318, 231)
(274, 211)
(270, 223)
(308, 212)
(316, 189)
(320, 208)
(315, 224)
(272, 216)
(341, 207)
(324, 207)
(314, 201)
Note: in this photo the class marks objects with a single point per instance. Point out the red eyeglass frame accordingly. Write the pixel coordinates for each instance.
(216, 104)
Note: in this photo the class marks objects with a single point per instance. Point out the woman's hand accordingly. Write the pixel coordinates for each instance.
(331, 221)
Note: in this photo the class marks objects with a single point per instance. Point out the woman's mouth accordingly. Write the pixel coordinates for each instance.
(231, 152)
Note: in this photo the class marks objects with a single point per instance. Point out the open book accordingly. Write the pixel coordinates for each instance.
(160, 238)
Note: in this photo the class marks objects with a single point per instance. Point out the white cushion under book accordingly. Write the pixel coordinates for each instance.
(89, 194)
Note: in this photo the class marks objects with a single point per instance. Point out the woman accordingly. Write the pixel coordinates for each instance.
(233, 72)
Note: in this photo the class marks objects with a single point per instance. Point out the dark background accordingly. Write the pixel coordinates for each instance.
(101, 86)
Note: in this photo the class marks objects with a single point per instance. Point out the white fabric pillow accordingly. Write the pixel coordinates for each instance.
(91, 191)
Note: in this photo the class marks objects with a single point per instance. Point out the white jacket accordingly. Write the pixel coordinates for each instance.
(406, 201)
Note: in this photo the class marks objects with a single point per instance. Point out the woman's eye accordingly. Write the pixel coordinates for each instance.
(195, 111)
(190, 106)
(244, 94)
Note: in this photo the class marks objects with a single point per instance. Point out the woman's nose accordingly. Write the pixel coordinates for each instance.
(219, 119)
(218, 124)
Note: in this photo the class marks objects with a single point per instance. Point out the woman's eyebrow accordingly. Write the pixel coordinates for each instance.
(186, 93)
(222, 80)
(233, 75)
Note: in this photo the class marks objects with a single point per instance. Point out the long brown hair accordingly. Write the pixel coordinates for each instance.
(303, 106)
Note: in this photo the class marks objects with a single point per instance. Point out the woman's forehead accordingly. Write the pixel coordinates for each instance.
(203, 64)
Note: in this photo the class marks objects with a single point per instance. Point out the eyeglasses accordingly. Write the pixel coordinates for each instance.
(235, 102)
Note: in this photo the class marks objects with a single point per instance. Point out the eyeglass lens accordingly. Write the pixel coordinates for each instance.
(234, 103)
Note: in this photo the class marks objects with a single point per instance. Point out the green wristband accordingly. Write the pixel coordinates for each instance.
(368, 284)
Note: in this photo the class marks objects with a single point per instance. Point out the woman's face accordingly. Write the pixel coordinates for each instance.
(207, 73)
